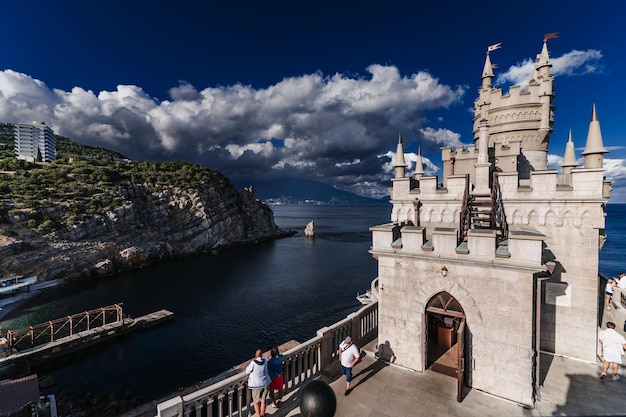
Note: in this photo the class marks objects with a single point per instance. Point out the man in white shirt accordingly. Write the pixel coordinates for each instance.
(613, 345)
(621, 282)
(349, 355)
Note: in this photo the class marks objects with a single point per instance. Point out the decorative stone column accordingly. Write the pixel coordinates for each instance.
(483, 165)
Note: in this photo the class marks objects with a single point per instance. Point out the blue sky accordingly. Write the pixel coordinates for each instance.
(314, 90)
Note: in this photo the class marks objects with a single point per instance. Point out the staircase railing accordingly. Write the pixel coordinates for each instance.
(499, 214)
(464, 220)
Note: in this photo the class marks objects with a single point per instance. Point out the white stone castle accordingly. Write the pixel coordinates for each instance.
(480, 273)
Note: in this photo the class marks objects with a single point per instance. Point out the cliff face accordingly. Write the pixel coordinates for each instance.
(155, 224)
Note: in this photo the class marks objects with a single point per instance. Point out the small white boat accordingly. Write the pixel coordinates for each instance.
(365, 298)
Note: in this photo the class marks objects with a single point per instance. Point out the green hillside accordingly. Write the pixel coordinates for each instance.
(84, 181)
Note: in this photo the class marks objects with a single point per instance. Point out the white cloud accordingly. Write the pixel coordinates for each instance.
(615, 169)
(578, 63)
(311, 125)
(570, 64)
(442, 137)
(336, 127)
(410, 158)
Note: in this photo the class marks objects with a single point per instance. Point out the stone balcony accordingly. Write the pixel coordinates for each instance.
(380, 388)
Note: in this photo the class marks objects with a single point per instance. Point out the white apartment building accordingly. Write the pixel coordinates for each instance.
(35, 142)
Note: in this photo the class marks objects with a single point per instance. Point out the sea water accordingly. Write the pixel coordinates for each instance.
(225, 305)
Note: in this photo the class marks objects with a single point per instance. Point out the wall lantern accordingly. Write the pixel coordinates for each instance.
(444, 271)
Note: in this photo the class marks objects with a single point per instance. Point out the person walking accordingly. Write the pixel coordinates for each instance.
(608, 292)
(349, 355)
(258, 382)
(275, 369)
(613, 345)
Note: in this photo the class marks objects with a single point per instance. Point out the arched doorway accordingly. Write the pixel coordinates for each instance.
(448, 342)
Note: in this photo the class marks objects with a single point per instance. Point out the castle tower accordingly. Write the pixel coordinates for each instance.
(569, 160)
(594, 149)
(519, 123)
(482, 103)
(513, 271)
(419, 164)
(536, 151)
(399, 164)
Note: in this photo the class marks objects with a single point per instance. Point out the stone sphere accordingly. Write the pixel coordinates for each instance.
(318, 400)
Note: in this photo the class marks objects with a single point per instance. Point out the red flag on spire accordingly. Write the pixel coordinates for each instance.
(550, 36)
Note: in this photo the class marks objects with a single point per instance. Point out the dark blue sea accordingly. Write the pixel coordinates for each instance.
(225, 305)
(229, 304)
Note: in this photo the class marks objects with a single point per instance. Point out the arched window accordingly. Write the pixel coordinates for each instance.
(444, 303)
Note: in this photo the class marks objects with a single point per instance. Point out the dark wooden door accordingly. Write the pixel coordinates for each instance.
(460, 371)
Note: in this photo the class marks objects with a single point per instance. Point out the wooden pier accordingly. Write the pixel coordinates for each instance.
(13, 361)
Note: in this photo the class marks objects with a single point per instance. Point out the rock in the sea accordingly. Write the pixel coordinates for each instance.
(309, 230)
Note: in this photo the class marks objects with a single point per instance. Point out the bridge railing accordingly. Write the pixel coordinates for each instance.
(52, 330)
(231, 397)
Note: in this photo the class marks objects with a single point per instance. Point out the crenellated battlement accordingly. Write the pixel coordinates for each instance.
(442, 245)
(543, 192)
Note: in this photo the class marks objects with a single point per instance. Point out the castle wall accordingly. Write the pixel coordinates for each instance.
(569, 216)
(572, 219)
(495, 293)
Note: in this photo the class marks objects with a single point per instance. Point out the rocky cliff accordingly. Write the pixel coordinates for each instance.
(154, 224)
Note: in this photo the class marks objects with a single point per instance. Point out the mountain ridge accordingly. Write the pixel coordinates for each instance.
(302, 191)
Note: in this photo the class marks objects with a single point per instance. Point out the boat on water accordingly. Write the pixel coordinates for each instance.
(365, 298)
(369, 295)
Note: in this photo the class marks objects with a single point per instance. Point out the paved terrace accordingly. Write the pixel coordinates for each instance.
(571, 388)
(568, 387)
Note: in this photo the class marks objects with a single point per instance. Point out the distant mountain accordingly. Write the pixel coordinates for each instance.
(296, 191)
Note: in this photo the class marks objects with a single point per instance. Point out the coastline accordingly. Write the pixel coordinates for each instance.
(12, 302)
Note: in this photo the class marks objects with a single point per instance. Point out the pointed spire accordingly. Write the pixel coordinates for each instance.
(400, 163)
(487, 73)
(488, 68)
(544, 56)
(594, 148)
(419, 164)
(569, 159)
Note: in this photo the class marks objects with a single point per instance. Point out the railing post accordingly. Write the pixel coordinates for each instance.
(355, 328)
(170, 408)
(326, 350)
(220, 405)
(209, 407)
(241, 392)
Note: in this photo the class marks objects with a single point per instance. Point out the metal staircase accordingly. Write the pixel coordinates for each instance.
(483, 211)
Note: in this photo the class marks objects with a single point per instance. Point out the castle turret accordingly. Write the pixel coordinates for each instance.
(487, 73)
(536, 149)
(400, 165)
(481, 105)
(419, 164)
(543, 64)
(594, 149)
(569, 160)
